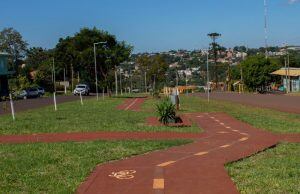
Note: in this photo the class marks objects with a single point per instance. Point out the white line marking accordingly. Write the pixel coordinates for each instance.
(130, 105)
(201, 153)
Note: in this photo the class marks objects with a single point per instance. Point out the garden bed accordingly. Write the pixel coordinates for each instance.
(154, 121)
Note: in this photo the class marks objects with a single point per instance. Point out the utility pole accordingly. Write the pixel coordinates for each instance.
(177, 78)
(72, 75)
(289, 76)
(266, 28)
(65, 81)
(116, 80)
(145, 81)
(207, 74)
(53, 66)
(96, 73)
(130, 82)
(121, 82)
(214, 37)
(96, 76)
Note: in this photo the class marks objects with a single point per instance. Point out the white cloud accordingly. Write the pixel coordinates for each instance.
(293, 1)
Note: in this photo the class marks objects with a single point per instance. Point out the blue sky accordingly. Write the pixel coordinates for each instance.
(155, 25)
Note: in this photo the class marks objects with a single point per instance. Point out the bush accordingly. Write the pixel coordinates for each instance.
(166, 111)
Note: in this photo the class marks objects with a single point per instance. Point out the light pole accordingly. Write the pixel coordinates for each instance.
(95, 58)
(121, 82)
(207, 71)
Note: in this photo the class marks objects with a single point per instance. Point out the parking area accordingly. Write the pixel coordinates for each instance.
(23, 105)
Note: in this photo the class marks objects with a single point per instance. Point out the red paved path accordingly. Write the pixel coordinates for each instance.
(193, 169)
(132, 104)
(277, 102)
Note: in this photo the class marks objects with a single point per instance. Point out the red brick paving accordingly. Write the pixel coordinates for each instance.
(132, 104)
(193, 169)
(91, 136)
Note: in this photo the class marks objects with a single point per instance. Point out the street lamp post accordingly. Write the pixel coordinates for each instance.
(95, 59)
(207, 71)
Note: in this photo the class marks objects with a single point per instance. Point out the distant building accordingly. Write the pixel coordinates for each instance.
(4, 74)
(290, 78)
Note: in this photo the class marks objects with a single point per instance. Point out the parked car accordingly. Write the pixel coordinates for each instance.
(83, 89)
(27, 93)
(20, 94)
(135, 91)
(41, 91)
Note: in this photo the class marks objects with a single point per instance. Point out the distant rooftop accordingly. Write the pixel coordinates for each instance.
(292, 71)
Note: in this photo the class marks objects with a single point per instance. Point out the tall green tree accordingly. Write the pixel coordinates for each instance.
(75, 53)
(155, 67)
(11, 41)
(257, 69)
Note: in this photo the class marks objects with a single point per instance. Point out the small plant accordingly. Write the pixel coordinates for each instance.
(166, 111)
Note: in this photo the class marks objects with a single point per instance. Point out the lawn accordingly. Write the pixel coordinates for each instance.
(92, 116)
(267, 119)
(273, 171)
(61, 167)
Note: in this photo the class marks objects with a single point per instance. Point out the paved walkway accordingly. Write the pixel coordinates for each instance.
(277, 102)
(132, 104)
(193, 169)
(92, 136)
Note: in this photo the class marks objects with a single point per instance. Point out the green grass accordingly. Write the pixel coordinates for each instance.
(72, 117)
(61, 167)
(273, 171)
(267, 119)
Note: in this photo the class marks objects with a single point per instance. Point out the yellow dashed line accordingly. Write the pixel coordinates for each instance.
(158, 183)
(225, 146)
(243, 139)
(222, 132)
(201, 153)
(166, 163)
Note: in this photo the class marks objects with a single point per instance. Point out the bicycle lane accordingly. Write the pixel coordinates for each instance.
(179, 169)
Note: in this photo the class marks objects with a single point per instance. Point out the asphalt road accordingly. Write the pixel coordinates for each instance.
(282, 103)
(23, 105)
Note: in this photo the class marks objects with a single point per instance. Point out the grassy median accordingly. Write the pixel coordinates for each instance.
(94, 115)
(273, 171)
(267, 119)
(61, 167)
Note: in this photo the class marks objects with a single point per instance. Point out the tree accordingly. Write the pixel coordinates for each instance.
(155, 67)
(11, 41)
(76, 54)
(35, 56)
(256, 71)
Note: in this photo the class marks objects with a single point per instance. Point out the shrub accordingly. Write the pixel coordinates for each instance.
(166, 111)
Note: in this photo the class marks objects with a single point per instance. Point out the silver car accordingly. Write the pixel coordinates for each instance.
(83, 89)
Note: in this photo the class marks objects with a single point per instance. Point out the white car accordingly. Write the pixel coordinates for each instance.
(83, 89)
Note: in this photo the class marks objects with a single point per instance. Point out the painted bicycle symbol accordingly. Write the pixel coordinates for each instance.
(124, 174)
